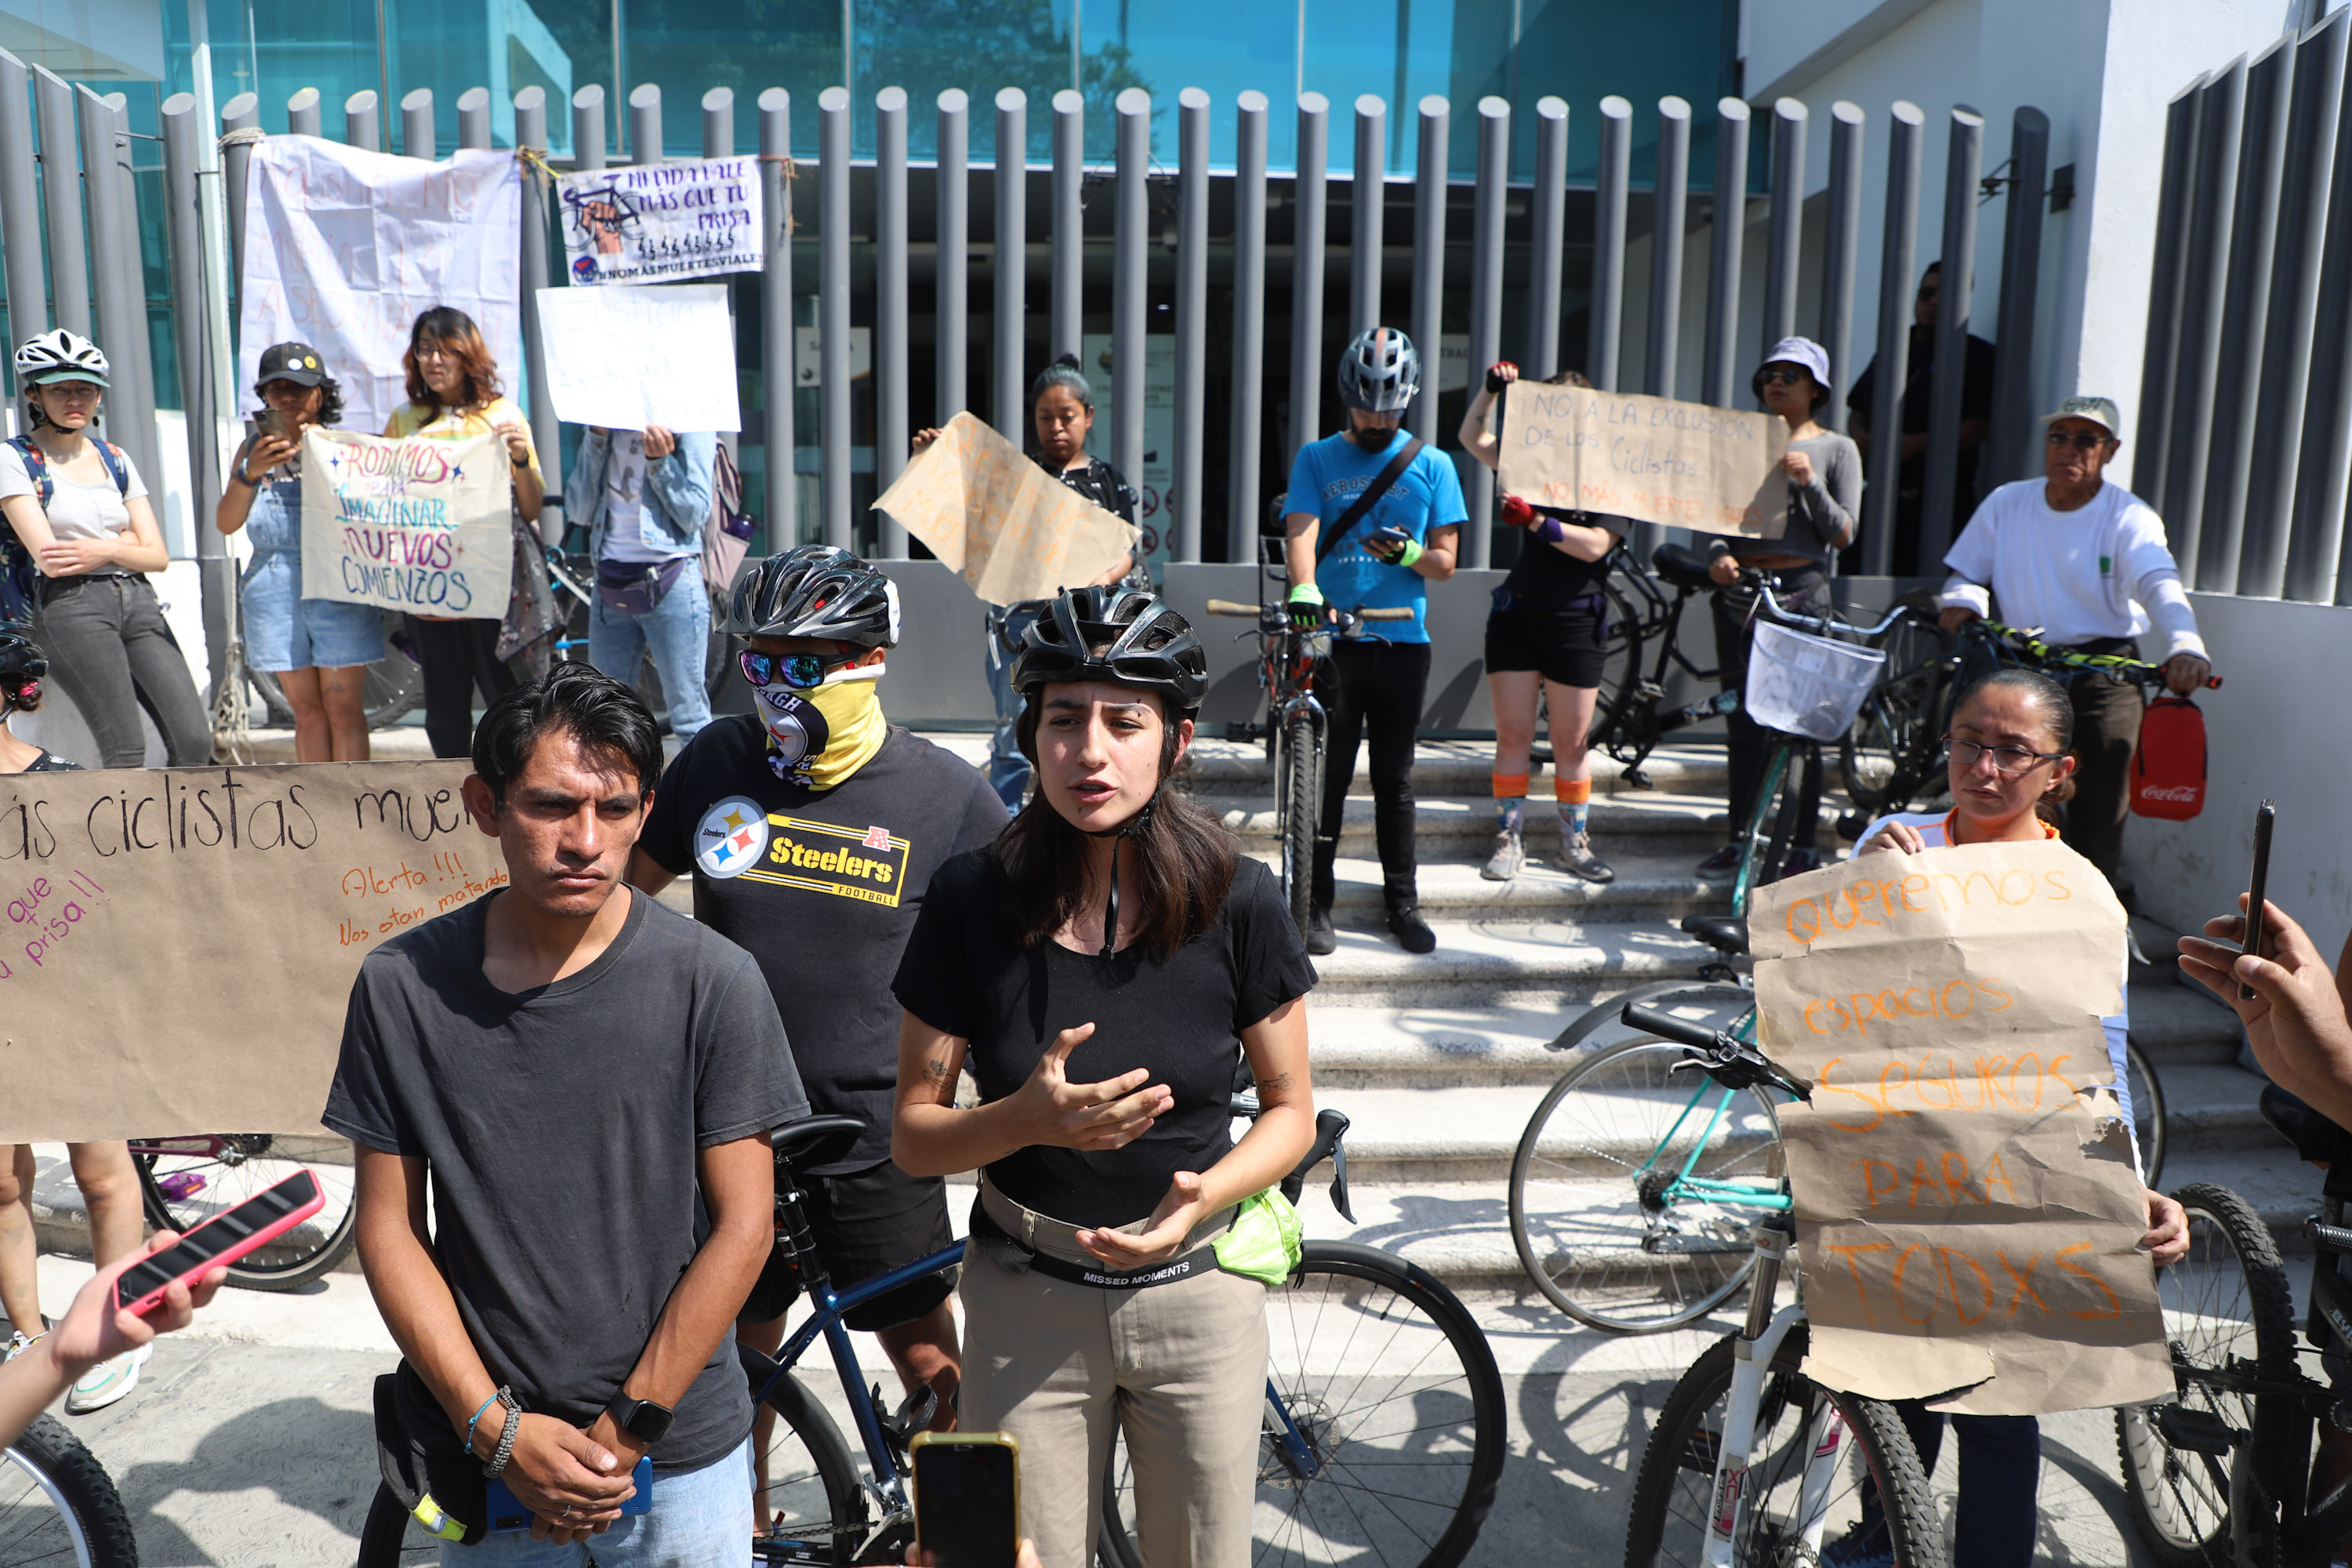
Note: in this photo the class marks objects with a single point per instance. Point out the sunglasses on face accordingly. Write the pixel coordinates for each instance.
(801, 671)
(2088, 440)
(1782, 376)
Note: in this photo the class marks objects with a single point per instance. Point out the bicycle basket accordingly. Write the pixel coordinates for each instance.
(1807, 685)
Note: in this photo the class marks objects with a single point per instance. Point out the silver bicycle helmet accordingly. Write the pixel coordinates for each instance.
(59, 355)
(816, 590)
(1379, 372)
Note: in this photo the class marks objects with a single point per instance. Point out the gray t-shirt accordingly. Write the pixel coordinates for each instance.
(560, 1128)
(1818, 513)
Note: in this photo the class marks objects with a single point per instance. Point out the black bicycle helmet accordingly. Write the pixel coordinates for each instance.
(1379, 371)
(816, 590)
(20, 656)
(1118, 634)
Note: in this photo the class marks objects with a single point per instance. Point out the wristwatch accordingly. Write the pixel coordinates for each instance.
(641, 1418)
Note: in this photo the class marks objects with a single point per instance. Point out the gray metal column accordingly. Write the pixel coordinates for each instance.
(718, 122)
(2314, 541)
(1608, 306)
(1898, 258)
(952, 283)
(1189, 503)
(20, 208)
(546, 430)
(1247, 446)
(1486, 308)
(120, 274)
(1429, 259)
(588, 127)
(1842, 255)
(2009, 451)
(647, 137)
(1938, 523)
(364, 121)
(304, 114)
(1132, 233)
(1669, 211)
(2197, 353)
(1784, 251)
(239, 113)
(1308, 209)
(474, 119)
(1368, 196)
(61, 202)
(2174, 185)
(1549, 238)
(892, 358)
(1009, 332)
(417, 138)
(779, 385)
(2254, 229)
(1728, 214)
(2274, 461)
(833, 311)
(1069, 224)
(182, 151)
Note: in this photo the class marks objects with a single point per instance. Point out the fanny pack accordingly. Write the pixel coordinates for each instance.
(1594, 603)
(635, 587)
(440, 1485)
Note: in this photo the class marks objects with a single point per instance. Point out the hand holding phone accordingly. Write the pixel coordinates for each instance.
(967, 1499)
(2265, 815)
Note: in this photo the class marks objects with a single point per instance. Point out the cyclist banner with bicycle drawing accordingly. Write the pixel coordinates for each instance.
(1968, 1210)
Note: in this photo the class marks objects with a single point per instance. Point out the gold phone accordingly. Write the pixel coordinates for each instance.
(968, 1498)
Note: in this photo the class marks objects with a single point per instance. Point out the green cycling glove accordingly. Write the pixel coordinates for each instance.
(1407, 554)
(1306, 604)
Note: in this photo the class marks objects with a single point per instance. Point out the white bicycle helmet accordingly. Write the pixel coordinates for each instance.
(1379, 372)
(59, 355)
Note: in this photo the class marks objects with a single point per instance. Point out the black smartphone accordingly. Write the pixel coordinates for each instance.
(968, 1499)
(2265, 815)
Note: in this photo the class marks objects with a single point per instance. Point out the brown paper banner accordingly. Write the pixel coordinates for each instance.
(1653, 460)
(178, 945)
(1011, 530)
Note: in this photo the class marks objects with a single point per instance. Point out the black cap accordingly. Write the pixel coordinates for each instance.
(296, 362)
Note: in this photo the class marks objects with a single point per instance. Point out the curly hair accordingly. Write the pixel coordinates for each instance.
(455, 332)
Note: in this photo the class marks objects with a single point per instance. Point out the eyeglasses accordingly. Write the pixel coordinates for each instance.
(1783, 374)
(2010, 761)
(2088, 440)
(801, 671)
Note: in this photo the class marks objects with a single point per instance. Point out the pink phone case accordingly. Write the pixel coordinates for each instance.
(147, 1304)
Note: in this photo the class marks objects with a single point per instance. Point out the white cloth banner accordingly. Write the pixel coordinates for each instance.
(344, 250)
(626, 356)
(643, 223)
(420, 524)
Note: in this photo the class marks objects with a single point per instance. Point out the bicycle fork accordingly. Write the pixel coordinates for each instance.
(1754, 1350)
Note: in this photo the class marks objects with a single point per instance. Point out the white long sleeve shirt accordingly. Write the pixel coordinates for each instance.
(2100, 571)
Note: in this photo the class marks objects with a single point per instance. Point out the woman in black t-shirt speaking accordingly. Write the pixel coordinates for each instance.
(1100, 970)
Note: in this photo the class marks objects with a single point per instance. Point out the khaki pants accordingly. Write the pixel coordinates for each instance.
(1183, 1369)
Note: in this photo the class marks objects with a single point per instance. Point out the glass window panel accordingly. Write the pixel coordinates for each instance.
(689, 47)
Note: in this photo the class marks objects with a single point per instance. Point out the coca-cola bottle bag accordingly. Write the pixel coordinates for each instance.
(2168, 770)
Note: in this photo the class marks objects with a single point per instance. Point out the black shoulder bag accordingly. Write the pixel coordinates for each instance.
(1370, 498)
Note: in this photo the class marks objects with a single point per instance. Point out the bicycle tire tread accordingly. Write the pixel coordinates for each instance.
(88, 1490)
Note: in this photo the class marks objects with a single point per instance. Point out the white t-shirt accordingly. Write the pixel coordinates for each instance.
(2100, 571)
(75, 511)
(1930, 825)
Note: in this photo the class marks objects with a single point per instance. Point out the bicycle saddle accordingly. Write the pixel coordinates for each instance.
(1683, 567)
(815, 1138)
(2315, 1137)
(1725, 933)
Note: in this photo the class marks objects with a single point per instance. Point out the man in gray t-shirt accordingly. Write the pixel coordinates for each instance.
(568, 1065)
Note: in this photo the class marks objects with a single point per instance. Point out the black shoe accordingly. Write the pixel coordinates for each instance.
(1413, 932)
(1320, 938)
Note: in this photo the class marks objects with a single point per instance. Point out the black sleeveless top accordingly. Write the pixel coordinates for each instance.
(1547, 578)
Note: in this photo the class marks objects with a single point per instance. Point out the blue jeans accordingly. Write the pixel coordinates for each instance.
(1008, 770)
(700, 1518)
(677, 630)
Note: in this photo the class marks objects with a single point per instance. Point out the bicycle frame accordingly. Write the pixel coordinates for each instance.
(1685, 1184)
(1757, 1346)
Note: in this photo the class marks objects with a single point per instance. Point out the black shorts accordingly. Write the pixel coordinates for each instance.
(866, 1223)
(1565, 645)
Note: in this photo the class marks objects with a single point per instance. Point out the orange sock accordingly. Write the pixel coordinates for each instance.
(1510, 800)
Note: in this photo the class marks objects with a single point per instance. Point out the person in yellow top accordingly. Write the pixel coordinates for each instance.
(452, 393)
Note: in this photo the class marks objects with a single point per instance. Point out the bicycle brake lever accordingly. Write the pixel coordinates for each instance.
(1339, 1181)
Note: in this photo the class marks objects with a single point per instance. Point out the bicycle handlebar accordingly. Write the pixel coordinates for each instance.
(1825, 625)
(2026, 641)
(1722, 1056)
(1378, 613)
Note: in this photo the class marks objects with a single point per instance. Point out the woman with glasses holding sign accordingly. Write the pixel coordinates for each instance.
(2012, 763)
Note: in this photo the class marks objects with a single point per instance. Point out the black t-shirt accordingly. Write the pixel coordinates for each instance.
(822, 887)
(1546, 577)
(50, 763)
(560, 1127)
(966, 973)
(1099, 483)
(1919, 401)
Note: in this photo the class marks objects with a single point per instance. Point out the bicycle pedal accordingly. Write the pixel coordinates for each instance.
(1635, 778)
(2195, 1431)
(1849, 824)
(914, 1414)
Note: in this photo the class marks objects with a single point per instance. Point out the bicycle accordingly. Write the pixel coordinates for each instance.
(59, 1505)
(183, 1182)
(1748, 1461)
(1322, 1470)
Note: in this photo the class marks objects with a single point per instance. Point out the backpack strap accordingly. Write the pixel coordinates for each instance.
(37, 468)
(1370, 497)
(118, 466)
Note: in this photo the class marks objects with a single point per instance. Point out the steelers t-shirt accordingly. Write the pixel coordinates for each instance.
(821, 886)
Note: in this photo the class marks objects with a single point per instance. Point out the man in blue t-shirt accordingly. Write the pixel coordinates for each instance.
(1381, 560)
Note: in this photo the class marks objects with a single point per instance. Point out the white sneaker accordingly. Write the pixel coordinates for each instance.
(18, 1344)
(107, 1382)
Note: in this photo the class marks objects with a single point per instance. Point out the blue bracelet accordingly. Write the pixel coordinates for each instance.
(476, 1421)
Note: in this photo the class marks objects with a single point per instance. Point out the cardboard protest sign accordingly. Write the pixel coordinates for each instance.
(345, 248)
(627, 357)
(1650, 458)
(415, 523)
(179, 943)
(687, 217)
(1011, 529)
(1968, 1212)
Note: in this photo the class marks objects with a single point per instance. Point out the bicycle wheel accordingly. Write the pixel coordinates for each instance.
(1597, 1225)
(2146, 1113)
(2226, 1303)
(1876, 1482)
(1302, 809)
(1398, 1403)
(57, 1505)
(1621, 667)
(1773, 828)
(187, 1181)
(1884, 754)
(815, 1506)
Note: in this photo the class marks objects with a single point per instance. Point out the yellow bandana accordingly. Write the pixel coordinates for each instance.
(819, 737)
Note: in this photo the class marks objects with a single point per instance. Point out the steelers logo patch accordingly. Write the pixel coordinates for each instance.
(733, 835)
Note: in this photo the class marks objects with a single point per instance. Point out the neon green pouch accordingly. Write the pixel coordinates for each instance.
(1263, 1243)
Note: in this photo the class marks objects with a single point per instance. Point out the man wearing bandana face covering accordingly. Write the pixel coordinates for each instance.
(811, 828)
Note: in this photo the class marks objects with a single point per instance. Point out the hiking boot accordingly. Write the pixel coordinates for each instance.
(1413, 932)
(1577, 859)
(1320, 936)
(1509, 855)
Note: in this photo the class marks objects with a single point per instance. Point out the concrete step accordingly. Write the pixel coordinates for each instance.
(1649, 886)
(1463, 768)
(1463, 827)
(1486, 963)
(2176, 1028)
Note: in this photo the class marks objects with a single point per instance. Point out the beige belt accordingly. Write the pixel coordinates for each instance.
(1059, 1239)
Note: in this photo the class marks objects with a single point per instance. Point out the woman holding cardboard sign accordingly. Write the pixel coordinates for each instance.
(2011, 755)
(452, 393)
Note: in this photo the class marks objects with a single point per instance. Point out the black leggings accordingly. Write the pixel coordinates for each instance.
(1746, 744)
(1373, 686)
(455, 658)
